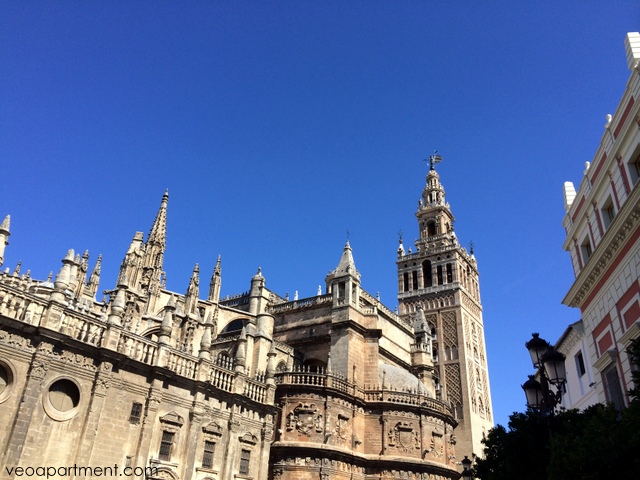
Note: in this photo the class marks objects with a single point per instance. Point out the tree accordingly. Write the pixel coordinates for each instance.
(599, 442)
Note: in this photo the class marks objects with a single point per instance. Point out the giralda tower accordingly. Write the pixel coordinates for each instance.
(438, 291)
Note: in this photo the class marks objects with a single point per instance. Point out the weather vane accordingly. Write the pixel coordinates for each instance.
(433, 159)
(400, 236)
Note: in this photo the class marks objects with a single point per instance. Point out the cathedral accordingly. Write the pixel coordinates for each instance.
(254, 386)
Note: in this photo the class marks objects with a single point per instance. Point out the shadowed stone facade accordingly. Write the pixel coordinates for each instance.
(193, 386)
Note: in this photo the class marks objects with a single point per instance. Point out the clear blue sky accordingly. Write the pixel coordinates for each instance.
(277, 126)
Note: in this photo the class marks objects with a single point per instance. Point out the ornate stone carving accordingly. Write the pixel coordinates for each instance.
(101, 386)
(305, 418)
(454, 385)
(154, 400)
(38, 370)
(235, 426)
(404, 438)
(436, 447)
(173, 419)
(212, 428)
(342, 428)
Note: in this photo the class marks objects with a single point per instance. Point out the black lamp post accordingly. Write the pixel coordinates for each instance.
(550, 364)
(466, 474)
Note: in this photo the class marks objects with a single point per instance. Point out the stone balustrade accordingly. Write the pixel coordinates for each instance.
(183, 364)
(221, 378)
(368, 393)
(91, 328)
(303, 303)
(256, 391)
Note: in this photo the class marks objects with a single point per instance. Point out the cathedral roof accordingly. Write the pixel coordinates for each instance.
(399, 380)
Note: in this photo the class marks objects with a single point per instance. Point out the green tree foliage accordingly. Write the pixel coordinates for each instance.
(597, 443)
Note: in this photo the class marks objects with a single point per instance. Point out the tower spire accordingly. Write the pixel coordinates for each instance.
(94, 279)
(436, 284)
(193, 292)
(216, 282)
(153, 255)
(158, 233)
(4, 236)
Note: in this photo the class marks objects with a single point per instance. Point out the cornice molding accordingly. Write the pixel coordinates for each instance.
(623, 226)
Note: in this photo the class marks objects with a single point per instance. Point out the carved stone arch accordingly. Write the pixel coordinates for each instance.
(163, 473)
(151, 333)
(234, 325)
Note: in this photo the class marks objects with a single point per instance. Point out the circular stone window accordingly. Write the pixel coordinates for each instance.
(6, 381)
(62, 399)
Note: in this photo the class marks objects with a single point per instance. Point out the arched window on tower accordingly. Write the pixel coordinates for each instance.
(427, 274)
(431, 228)
(449, 273)
(405, 278)
(439, 273)
(414, 278)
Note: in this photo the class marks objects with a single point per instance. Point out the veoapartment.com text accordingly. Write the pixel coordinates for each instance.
(75, 471)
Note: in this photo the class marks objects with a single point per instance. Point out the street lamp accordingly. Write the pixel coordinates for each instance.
(551, 371)
(467, 474)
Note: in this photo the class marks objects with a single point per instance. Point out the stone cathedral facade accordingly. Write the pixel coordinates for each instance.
(166, 385)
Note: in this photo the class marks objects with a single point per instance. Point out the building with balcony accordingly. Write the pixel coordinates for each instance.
(603, 233)
(251, 386)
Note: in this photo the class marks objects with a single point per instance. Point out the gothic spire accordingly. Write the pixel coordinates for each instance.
(216, 282)
(346, 265)
(158, 233)
(4, 236)
(193, 292)
(153, 251)
(94, 279)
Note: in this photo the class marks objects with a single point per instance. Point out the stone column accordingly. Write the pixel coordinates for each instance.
(195, 424)
(94, 414)
(231, 452)
(146, 432)
(30, 396)
(265, 444)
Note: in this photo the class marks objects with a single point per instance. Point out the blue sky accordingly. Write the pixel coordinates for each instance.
(278, 126)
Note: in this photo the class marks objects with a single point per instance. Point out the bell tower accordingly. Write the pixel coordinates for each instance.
(439, 282)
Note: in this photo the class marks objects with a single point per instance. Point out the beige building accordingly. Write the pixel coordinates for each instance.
(603, 238)
(252, 386)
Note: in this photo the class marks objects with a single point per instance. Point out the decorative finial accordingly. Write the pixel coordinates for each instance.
(433, 159)
(471, 247)
(400, 236)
